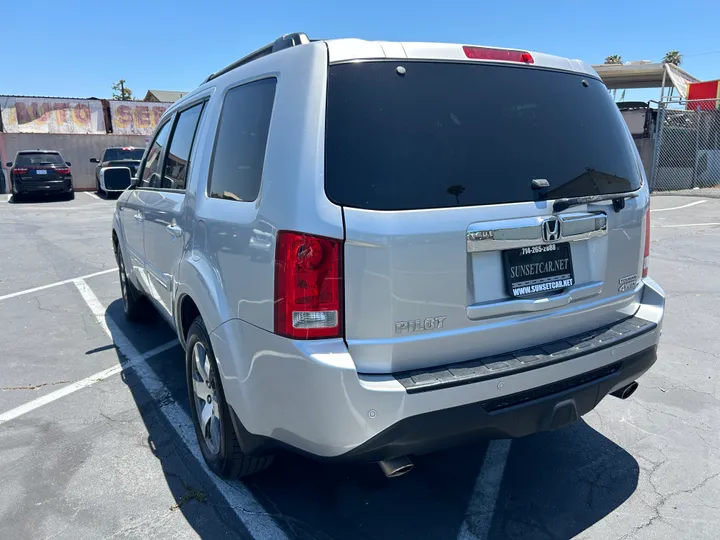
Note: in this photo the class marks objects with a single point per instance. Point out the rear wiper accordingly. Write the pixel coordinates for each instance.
(618, 200)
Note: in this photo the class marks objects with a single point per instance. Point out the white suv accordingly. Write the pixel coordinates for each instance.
(372, 250)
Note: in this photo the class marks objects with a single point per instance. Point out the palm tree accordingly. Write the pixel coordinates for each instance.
(673, 57)
(614, 59)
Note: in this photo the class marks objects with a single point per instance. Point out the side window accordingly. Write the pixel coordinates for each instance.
(178, 155)
(241, 141)
(151, 169)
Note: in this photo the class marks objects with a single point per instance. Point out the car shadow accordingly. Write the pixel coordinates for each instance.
(35, 198)
(550, 485)
(106, 196)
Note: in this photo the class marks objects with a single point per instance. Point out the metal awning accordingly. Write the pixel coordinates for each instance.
(621, 76)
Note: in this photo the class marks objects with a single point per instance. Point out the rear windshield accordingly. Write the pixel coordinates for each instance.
(456, 134)
(118, 154)
(39, 158)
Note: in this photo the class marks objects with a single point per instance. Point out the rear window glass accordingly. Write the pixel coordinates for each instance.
(119, 154)
(237, 165)
(39, 158)
(457, 134)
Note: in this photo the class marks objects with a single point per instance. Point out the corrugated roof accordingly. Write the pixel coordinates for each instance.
(50, 97)
(621, 76)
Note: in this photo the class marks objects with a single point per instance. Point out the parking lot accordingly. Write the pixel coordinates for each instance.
(96, 439)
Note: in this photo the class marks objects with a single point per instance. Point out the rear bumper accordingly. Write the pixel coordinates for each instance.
(58, 186)
(550, 407)
(309, 397)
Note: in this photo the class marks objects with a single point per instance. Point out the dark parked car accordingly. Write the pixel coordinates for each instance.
(40, 171)
(126, 156)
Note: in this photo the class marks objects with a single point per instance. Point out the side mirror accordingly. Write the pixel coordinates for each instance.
(68, 164)
(94, 160)
(116, 178)
(8, 164)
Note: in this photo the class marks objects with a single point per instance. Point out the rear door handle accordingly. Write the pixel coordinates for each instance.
(139, 217)
(174, 230)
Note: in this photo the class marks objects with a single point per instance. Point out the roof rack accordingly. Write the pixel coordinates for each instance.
(283, 42)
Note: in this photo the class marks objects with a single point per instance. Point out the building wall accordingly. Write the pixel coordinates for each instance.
(646, 147)
(77, 149)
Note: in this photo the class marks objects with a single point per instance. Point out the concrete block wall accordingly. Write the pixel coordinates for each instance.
(77, 149)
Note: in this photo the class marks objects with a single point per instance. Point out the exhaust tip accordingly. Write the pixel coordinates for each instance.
(394, 467)
(626, 391)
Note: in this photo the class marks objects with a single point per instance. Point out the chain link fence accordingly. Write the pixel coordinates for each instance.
(687, 146)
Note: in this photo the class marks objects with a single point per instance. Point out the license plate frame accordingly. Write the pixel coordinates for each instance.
(538, 270)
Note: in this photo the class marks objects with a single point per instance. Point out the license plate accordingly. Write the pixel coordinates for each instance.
(41, 171)
(538, 269)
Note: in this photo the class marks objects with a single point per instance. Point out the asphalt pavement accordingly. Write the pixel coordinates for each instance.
(96, 439)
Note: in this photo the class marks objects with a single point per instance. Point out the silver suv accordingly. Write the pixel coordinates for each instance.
(372, 250)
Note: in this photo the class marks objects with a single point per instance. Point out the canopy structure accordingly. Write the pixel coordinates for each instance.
(645, 75)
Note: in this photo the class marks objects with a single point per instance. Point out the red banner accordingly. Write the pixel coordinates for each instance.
(136, 117)
(709, 91)
(51, 115)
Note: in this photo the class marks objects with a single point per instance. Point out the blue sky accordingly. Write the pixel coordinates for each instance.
(79, 48)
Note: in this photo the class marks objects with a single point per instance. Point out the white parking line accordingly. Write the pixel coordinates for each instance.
(481, 508)
(252, 514)
(93, 195)
(61, 207)
(679, 207)
(84, 383)
(685, 225)
(50, 285)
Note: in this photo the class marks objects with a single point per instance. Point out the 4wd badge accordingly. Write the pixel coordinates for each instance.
(627, 283)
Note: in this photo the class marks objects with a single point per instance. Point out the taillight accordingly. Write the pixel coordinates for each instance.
(504, 55)
(308, 286)
(63, 170)
(646, 253)
(20, 170)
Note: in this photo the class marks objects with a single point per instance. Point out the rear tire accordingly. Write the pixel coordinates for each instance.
(134, 304)
(218, 443)
(70, 196)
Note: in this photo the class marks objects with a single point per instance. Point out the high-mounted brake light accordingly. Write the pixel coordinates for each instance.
(646, 253)
(503, 55)
(63, 170)
(20, 170)
(308, 286)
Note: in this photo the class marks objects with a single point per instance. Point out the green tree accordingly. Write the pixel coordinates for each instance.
(122, 92)
(614, 59)
(673, 57)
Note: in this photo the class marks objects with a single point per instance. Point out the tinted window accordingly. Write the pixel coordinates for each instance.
(178, 157)
(38, 158)
(151, 172)
(457, 134)
(119, 154)
(241, 141)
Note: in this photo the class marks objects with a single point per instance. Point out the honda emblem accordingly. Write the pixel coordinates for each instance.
(551, 229)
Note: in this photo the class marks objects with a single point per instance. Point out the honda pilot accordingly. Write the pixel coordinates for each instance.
(374, 250)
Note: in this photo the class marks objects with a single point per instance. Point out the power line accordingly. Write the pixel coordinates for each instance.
(702, 53)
